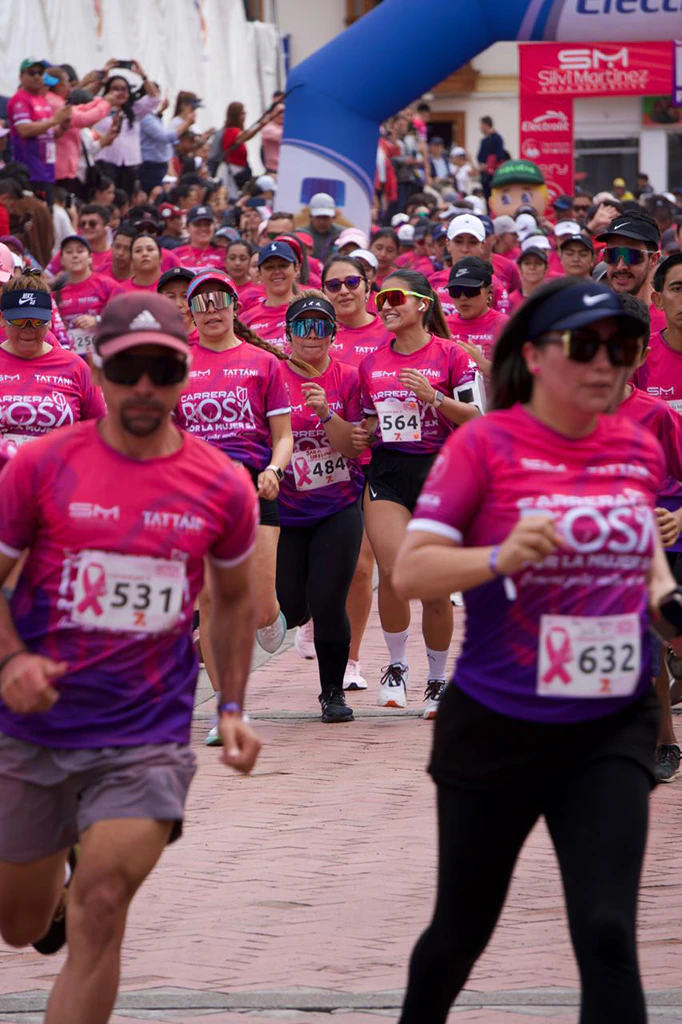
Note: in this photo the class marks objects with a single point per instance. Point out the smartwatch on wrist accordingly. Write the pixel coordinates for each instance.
(276, 470)
(437, 398)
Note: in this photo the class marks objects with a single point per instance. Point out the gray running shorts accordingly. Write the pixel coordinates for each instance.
(49, 797)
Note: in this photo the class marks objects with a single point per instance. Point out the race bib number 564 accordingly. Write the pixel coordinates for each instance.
(128, 593)
(589, 657)
(399, 421)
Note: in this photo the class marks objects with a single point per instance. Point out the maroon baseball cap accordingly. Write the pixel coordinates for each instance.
(168, 210)
(145, 319)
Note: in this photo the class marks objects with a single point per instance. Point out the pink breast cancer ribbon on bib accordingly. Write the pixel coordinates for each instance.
(94, 586)
(302, 471)
(559, 656)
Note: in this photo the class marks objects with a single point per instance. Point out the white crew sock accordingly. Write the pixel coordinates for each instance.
(438, 661)
(397, 646)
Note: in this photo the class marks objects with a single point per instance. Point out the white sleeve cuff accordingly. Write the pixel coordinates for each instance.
(5, 549)
(230, 563)
(433, 526)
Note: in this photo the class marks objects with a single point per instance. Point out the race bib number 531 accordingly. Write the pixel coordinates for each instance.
(589, 657)
(128, 593)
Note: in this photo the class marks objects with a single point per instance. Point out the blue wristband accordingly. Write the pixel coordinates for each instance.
(229, 708)
(492, 560)
(327, 418)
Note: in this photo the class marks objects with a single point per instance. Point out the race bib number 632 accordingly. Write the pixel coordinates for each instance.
(128, 593)
(581, 656)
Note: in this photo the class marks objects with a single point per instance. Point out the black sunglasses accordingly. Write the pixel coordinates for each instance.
(128, 369)
(582, 344)
(465, 291)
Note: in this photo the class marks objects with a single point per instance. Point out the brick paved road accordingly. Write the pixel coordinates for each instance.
(307, 884)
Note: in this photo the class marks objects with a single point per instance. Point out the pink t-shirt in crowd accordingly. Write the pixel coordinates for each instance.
(383, 394)
(39, 395)
(352, 344)
(506, 271)
(249, 294)
(112, 576)
(87, 298)
(480, 330)
(565, 640)
(198, 259)
(229, 399)
(319, 481)
(439, 283)
(267, 321)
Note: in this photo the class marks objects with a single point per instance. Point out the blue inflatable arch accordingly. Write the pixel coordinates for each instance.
(340, 95)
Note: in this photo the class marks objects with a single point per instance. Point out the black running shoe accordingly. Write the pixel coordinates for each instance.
(334, 707)
(55, 937)
(667, 762)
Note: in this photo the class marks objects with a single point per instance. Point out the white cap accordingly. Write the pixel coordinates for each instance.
(355, 235)
(458, 151)
(466, 224)
(322, 205)
(477, 203)
(504, 224)
(566, 227)
(398, 219)
(526, 225)
(602, 197)
(535, 242)
(266, 183)
(19, 262)
(367, 256)
(406, 233)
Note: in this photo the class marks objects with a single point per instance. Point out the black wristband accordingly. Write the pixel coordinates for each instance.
(8, 657)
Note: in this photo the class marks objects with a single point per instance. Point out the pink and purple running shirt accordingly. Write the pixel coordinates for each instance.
(563, 641)
(39, 395)
(87, 298)
(267, 321)
(319, 481)
(406, 424)
(229, 399)
(209, 257)
(352, 344)
(111, 578)
(480, 330)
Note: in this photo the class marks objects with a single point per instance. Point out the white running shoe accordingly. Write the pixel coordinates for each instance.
(304, 641)
(353, 678)
(435, 688)
(393, 687)
(213, 739)
(271, 637)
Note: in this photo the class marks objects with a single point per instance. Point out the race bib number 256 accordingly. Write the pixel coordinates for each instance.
(128, 593)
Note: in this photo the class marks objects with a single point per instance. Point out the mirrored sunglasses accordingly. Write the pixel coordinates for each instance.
(630, 257)
(320, 327)
(220, 300)
(465, 291)
(28, 322)
(396, 297)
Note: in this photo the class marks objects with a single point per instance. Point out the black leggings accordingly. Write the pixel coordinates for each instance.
(598, 824)
(315, 568)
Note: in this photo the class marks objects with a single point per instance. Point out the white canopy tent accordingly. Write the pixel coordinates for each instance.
(206, 46)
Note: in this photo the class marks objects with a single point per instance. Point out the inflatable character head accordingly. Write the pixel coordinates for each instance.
(517, 183)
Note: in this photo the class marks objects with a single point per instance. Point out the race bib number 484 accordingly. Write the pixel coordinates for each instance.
(589, 657)
(318, 467)
(128, 593)
(399, 421)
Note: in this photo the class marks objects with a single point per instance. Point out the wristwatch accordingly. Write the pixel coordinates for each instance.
(437, 398)
(276, 470)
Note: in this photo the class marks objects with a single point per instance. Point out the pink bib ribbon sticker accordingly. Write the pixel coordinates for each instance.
(94, 587)
(302, 470)
(558, 656)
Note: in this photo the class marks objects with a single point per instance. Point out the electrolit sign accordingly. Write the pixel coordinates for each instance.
(677, 75)
(616, 20)
(546, 138)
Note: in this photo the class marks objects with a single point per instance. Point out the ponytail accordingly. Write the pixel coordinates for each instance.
(434, 317)
(251, 338)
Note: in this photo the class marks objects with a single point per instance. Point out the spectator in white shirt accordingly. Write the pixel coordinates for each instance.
(120, 160)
